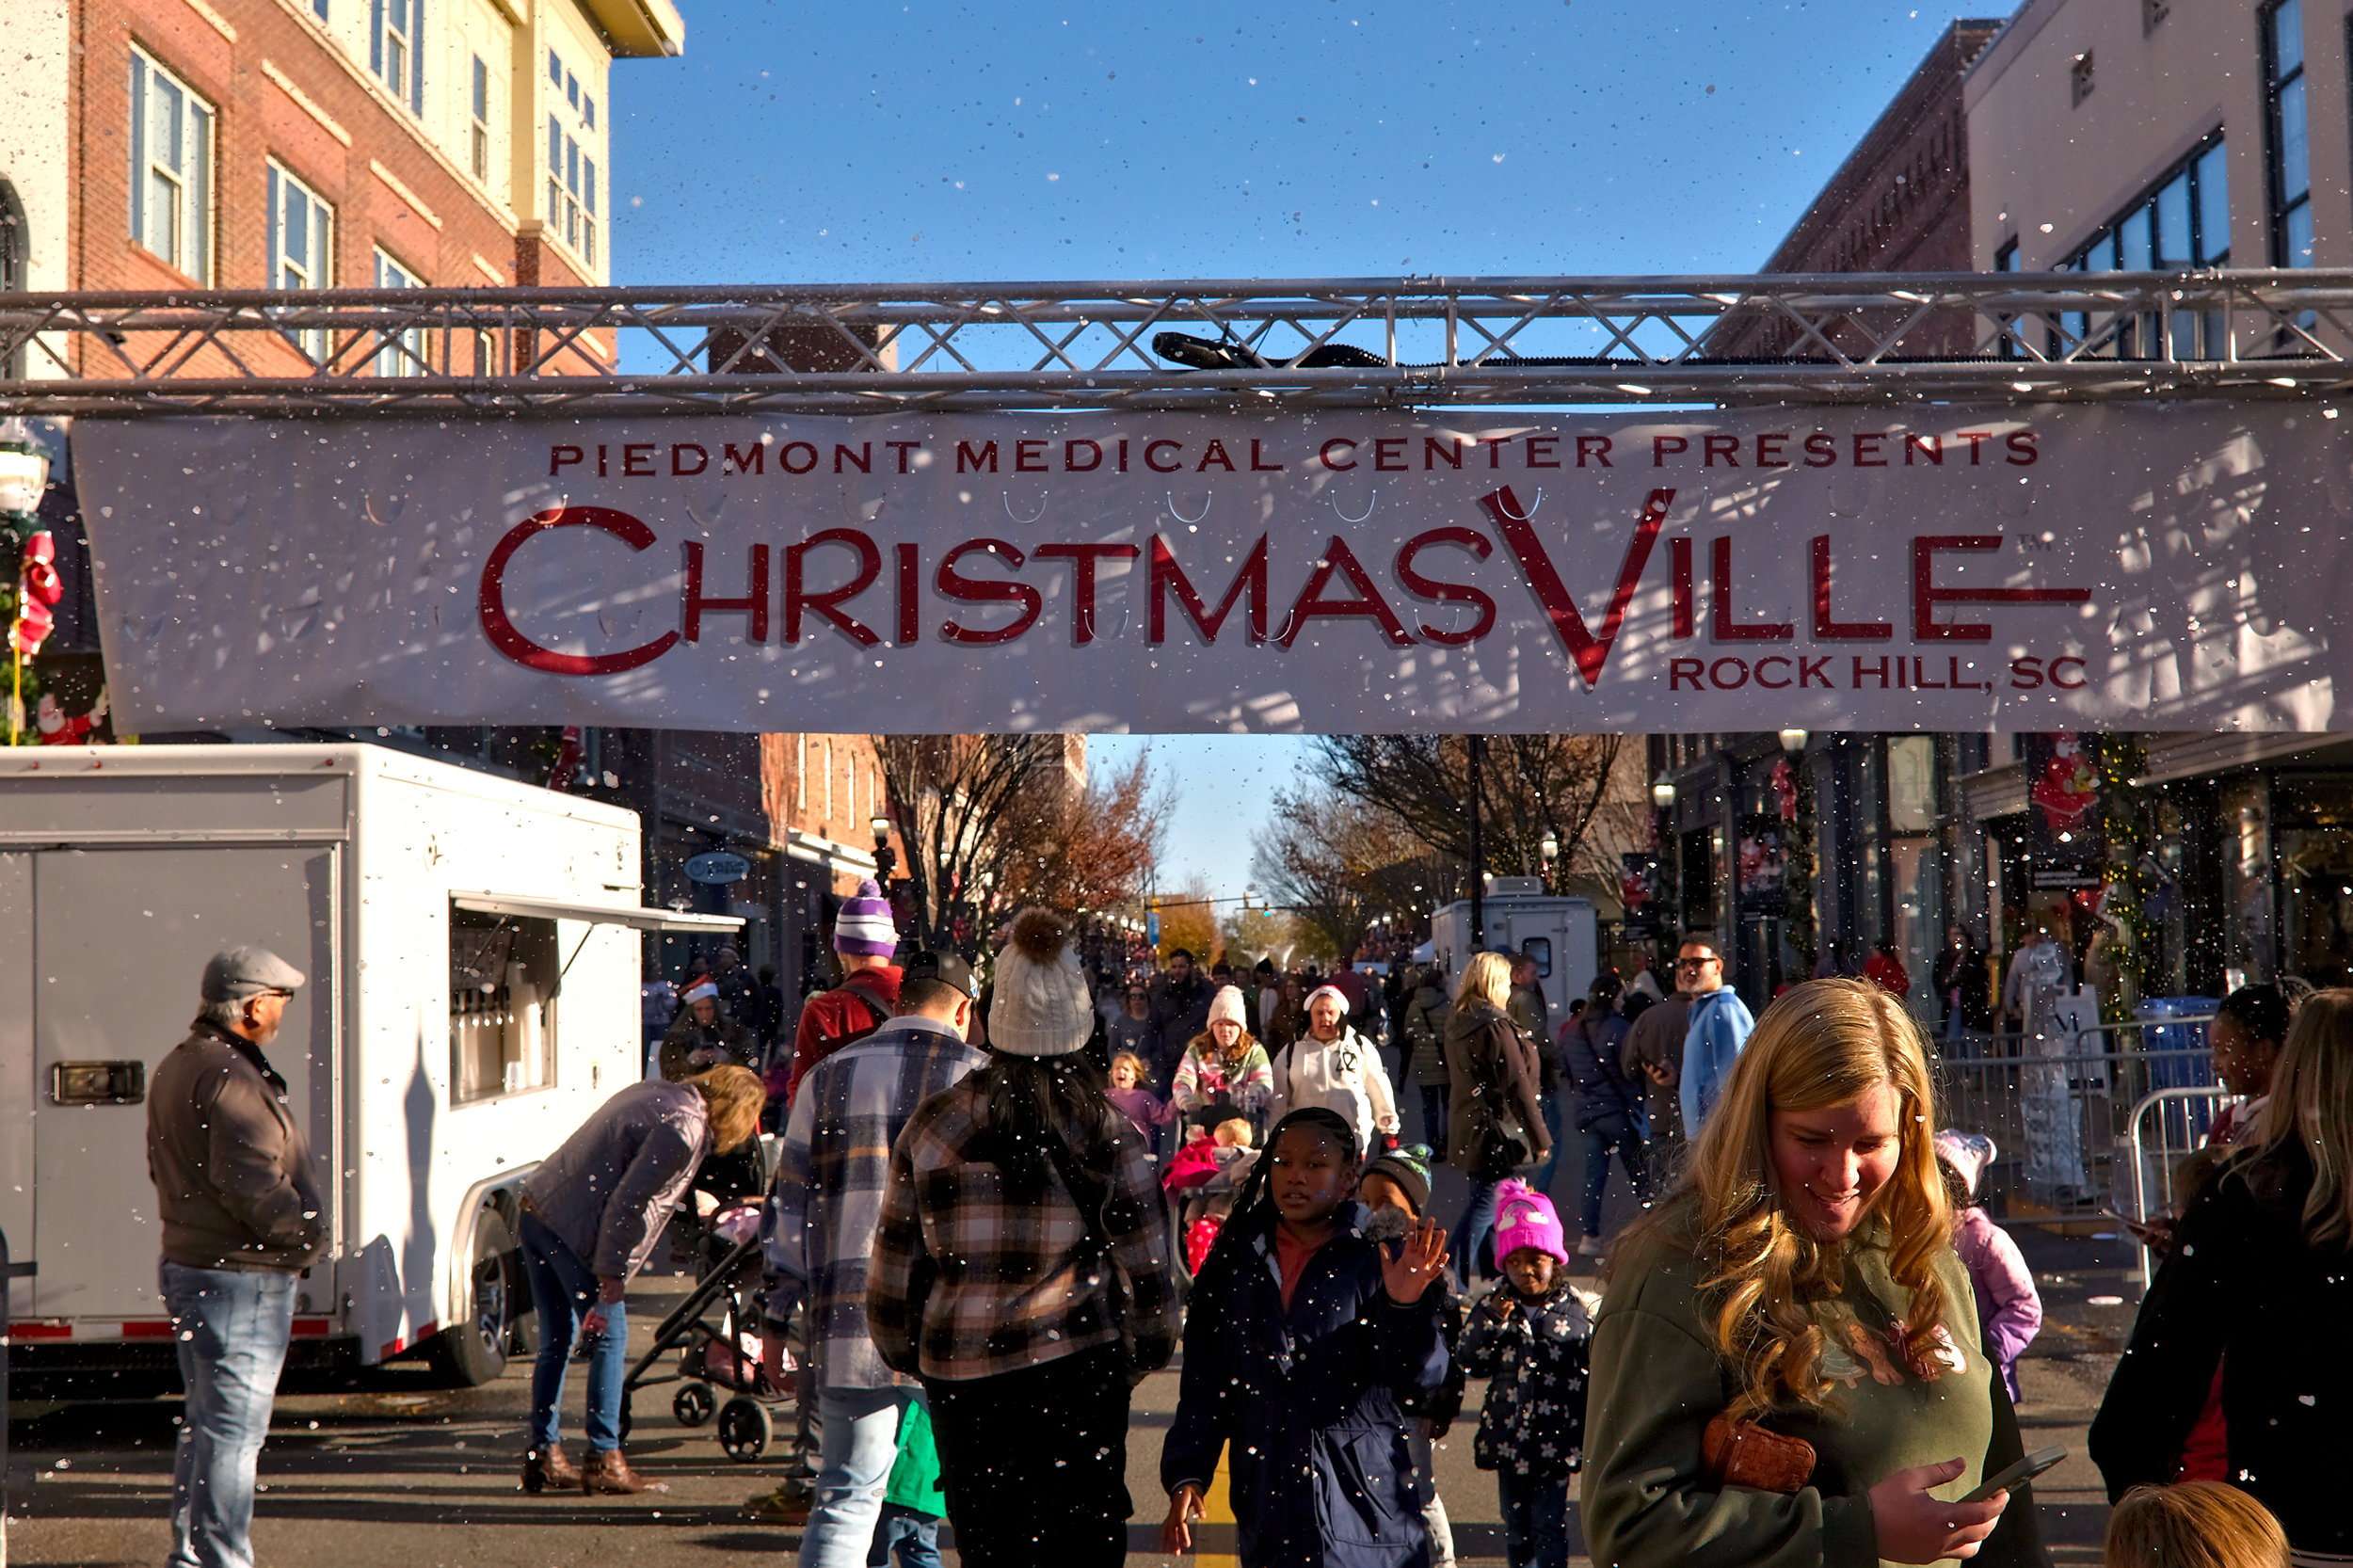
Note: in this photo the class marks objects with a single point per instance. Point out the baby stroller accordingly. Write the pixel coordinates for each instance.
(715, 1336)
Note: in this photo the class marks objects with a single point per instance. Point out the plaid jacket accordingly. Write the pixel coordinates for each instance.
(966, 1283)
(832, 1163)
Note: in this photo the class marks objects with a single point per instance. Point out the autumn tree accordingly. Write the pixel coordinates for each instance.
(1339, 865)
(992, 823)
(1189, 920)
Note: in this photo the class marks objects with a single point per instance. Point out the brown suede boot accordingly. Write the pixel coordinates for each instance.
(607, 1474)
(549, 1470)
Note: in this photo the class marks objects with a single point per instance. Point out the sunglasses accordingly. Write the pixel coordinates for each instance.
(1697, 963)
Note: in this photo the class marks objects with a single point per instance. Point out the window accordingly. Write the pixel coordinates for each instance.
(503, 976)
(587, 111)
(572, 191)
(402, 353)
(396, 35)
(301, 245)
(2287, 160)
(479, 109)
(171, 169)
(319, 8)
(2183, 220)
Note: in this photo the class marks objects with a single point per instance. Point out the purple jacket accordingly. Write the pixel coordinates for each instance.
(2008, 1307)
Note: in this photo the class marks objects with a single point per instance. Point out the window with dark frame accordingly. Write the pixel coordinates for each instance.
(2181, 221)
(2287, 161)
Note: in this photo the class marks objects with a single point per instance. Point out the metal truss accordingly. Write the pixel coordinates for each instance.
(1409, 342)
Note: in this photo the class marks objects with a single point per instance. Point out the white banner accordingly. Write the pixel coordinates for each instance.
(2029, 567)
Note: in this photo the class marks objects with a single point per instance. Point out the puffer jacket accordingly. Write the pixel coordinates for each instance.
(1491, 1068)
(1534, 1359)
(1307, 1403)
(609, 1190)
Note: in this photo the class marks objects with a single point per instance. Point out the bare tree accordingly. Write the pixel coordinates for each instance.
(951, 796)
(1339, 865)
(1530, 785)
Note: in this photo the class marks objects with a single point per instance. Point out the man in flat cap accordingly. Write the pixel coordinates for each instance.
(241, 1216)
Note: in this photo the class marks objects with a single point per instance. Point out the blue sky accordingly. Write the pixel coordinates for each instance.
(954, 142)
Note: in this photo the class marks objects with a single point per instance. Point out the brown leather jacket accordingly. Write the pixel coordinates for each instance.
(234, 1187)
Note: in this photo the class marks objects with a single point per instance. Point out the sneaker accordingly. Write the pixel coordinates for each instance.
(788, 1504)
(1591, 1246)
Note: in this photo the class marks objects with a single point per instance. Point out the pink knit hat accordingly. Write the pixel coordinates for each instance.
(1526, 1218)
(1227, 1006)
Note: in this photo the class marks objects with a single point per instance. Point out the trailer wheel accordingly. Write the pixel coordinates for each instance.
(744, 1428)
(473, 1351)
(693, 1404)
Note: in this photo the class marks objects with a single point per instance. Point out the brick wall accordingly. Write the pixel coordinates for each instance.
(351, 143)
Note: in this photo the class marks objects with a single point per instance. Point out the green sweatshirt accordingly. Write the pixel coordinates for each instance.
(915, 1475)
(1656, 1380)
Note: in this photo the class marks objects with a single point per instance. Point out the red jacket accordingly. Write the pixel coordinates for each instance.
(831, 1020)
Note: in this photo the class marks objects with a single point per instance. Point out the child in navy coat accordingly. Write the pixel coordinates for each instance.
(1303, 1337)
(1529, 1336)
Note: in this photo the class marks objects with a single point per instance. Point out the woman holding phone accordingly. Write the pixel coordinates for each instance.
(1787, 1368)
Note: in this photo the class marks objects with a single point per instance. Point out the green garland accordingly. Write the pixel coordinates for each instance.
(2127, 819)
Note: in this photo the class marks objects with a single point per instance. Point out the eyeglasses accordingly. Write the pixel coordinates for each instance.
(1697, 963)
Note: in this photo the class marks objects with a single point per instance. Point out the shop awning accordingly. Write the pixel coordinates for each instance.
(637, 917)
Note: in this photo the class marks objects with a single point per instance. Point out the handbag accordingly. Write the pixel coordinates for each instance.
(1747, 1453)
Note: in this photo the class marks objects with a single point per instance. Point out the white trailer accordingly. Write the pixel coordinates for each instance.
(473, 953)
(1559, 931)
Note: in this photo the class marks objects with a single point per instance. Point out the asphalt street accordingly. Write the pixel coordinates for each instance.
(406, 1471)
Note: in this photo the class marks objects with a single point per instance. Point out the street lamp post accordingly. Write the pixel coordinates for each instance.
(1662, 795)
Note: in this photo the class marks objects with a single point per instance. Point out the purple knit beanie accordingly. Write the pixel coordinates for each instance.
(865, 926)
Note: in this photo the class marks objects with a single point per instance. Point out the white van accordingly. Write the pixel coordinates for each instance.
(1561, 933)
(472, 950)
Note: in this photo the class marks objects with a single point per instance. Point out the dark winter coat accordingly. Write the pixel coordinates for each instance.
(1307, 1403)
(1534, 1359)
(2242, 1287)
(1492, 1070)
(1591, 1052)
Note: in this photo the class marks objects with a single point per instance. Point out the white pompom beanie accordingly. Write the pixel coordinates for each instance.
(1226, 1006)
(1040, 1006)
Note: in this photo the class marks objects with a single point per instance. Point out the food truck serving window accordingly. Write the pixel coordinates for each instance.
(503, 972)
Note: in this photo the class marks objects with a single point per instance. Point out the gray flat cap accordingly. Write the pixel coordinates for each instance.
(248, 971)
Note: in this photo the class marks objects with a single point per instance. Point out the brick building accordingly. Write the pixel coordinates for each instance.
(1898, 203)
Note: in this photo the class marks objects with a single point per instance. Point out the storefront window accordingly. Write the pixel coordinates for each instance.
(2249, 952)
(1911, 783)
(2313, 824)
(1919, 866)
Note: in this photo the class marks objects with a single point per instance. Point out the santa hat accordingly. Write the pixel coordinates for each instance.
(1226, 1007)
(1526, 1218)
(864, 925)
(1041, 1006)
(699, 990)
(1969, 1153)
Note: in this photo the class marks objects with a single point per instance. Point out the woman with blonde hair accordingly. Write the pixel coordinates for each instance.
(1495, 1102)
(2259, 1284)
(593, 1212)
(2198, 1523)
(1787, 1368)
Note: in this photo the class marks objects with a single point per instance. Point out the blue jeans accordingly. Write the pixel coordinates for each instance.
(1542, 1180)
(1434, 1098)
(914, 1536)
(1472, 1231)
(860, 1444)
(1612, 1134)
(562, 1291)
(231, 1328)
(1535, 1521)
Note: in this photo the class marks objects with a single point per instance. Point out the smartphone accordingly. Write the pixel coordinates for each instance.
(2026, 1469)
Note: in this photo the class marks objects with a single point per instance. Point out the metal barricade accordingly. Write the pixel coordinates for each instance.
(2156, 1160)
(2063, 1125)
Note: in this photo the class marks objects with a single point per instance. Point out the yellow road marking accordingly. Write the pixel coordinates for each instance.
(1218, 1508)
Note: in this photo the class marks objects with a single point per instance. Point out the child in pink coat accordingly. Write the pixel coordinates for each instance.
(2009, 1309)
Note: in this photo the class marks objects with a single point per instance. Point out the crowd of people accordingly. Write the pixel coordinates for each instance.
(996, 1207)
